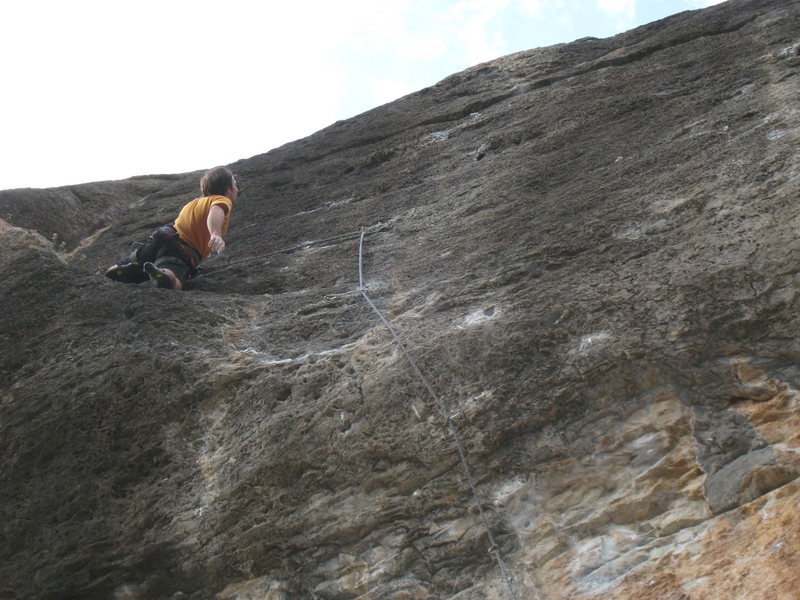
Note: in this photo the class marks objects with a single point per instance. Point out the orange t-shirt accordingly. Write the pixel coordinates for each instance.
(192, 223)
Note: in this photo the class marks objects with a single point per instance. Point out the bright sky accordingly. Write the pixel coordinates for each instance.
(108, 89)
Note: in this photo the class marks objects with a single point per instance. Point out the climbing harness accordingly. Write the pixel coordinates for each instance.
(494, 549)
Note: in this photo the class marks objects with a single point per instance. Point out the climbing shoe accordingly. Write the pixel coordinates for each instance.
(159, 276)
(126, 272)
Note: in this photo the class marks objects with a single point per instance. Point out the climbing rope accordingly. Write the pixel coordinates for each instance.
(494, 549)
(288, 250)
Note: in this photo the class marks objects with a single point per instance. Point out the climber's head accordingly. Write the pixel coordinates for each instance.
(219, 181)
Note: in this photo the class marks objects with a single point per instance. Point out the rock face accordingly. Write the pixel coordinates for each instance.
(590, 250)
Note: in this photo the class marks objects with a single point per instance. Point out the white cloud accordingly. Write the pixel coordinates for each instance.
(109, 90)
(621, 14)
(531, 8)
(390, 28)
(386, 89)
(620, 7)
(474, 24)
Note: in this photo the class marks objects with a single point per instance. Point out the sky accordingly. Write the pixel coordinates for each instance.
(108, 89)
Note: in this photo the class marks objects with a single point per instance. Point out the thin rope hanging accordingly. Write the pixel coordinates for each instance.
(494, 549)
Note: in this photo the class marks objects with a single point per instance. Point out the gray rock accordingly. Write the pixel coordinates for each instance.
(589, 249)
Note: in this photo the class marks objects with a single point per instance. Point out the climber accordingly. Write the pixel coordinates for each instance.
(171, 255)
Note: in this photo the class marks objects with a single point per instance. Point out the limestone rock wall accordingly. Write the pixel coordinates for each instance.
(590, 249)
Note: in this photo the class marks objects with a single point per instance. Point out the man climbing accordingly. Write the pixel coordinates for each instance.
(171, 255)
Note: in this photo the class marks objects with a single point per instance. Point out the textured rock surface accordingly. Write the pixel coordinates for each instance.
(591, 249)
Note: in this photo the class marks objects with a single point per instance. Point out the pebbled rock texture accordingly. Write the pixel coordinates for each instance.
(590, 250)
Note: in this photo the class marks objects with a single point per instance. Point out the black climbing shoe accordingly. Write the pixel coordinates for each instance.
(126, 272)
(159, 276)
